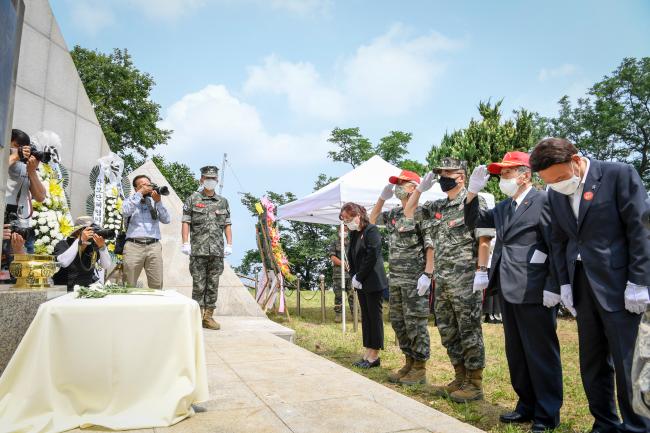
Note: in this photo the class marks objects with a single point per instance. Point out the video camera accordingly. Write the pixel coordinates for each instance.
(43, 156)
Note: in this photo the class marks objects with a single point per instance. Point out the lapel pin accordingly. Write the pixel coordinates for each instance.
(588, 196)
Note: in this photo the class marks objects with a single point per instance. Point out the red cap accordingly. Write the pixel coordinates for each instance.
(405, 175)
(511, 159)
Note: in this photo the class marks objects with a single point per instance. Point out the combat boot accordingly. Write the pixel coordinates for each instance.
(208, 321)
(417, 375)
(395, 376)
(453, 386)
(337, 317)
(472, 389)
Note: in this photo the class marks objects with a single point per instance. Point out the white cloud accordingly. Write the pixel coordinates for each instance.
(211, 121)
(391, 75)
(91, 16)
(300, 82)
(561, 71)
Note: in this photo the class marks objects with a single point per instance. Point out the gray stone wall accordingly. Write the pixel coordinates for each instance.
(50, 95)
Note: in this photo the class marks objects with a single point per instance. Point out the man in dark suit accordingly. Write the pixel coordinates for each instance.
(522, 275)
(601, 253)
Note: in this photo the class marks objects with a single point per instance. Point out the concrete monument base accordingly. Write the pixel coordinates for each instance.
(17, 310)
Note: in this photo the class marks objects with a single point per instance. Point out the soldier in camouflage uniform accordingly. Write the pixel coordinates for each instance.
(206, 219)
(411, 264)
(335, 256)
(457, 306)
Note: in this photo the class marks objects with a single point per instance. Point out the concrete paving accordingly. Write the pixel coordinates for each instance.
(262, 383)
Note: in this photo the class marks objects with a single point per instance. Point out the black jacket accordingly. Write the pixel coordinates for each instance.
(528, 231)
(365, 258)
(609, 235)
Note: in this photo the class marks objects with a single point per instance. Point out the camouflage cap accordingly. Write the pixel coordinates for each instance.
(209, 171)
(451, 164)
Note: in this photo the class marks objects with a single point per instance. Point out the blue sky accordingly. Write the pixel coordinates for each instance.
(266, 80)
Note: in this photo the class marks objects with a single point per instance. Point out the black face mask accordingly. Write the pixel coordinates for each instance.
(447, 183)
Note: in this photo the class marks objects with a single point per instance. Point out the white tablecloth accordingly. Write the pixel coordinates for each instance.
(121, 362)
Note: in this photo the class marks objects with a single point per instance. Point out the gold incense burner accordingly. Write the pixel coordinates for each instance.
(33, 271)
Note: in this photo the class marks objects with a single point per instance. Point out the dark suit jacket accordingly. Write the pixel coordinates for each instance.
(529, 230)
(609, 236)
(366, 261)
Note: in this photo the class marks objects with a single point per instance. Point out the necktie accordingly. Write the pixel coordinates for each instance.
(511, 211)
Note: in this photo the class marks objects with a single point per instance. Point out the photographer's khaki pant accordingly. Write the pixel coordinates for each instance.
(149, 257)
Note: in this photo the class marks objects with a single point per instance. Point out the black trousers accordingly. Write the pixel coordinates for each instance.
(533, 353)
(372, 322)
(607, 342)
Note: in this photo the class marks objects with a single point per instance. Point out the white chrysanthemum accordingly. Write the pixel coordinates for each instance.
(50, 249)
(42, 221)
(45, 239)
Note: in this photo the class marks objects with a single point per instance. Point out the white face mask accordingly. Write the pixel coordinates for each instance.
(568, 186)
(353, 225)
(210, 184)
(509, 186)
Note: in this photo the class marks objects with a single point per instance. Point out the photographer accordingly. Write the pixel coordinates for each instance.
(79, 253)
(143, 213)
(23, 183)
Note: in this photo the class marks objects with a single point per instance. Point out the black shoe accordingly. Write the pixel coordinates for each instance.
(541, 428)
(359, 363)
(514, 417)
(366, 364)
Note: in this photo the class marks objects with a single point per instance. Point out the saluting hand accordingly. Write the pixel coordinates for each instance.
(479, 178)
(427, 182)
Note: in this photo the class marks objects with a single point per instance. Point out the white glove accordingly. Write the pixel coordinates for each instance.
(227, 250)
(427, 182)
(424, 283)
(481, 280)
(636, 298)
(186, 249)
(551, 299)
(356, 284)
(478, 179)
(387, 193)
(566, 298)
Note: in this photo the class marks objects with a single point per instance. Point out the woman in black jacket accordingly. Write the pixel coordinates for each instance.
(368, 278)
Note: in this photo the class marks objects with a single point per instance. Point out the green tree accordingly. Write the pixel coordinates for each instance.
(179, 176)
(489, 138)
(353, 148)
(120, 95)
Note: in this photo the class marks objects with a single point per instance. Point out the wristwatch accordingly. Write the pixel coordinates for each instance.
(482, 269)
(428, 274)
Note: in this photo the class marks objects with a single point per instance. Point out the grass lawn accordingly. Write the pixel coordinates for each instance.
(327, 340)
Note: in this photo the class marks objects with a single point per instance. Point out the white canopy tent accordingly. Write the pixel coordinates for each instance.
(362, 186)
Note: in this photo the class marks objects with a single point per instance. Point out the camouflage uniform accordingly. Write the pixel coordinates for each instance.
(641, 369)
(208, 217)
(335, 250)
(457, 308)
(409, 312)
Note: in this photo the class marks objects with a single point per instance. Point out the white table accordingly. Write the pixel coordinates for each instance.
(120, 362)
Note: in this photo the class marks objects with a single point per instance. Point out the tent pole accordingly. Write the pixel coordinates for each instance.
(344, 291)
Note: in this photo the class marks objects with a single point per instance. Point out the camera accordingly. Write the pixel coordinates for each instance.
(162, 190)
(107, 234)
(20, 226)
(44, 157)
